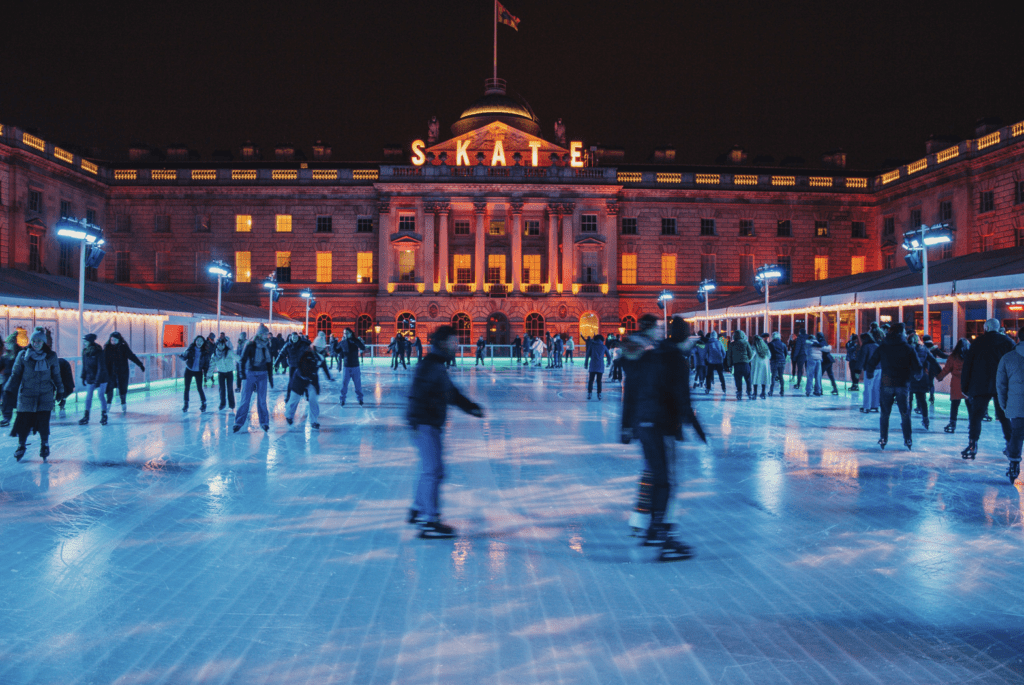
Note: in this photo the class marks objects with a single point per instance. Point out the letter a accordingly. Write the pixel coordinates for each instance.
(461, 147)
(499, 154)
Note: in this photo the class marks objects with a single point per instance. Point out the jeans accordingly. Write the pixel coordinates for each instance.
(428, 441)
(902, 399)
(813, 374)
(101, 390)
(660, 455)
(776, 370)
(922, 403)
(872, 391)
(198, 376)
(740, 371)
(590, 381)
(617, 370)
(254, 381)
(355, 374)
(712, 368)
(854, 375)
(1016, 438)
(954, 409)
(314, 405)
(227, 388)
(978, 407)
(798, 369)
(827, 371)
(288, 390)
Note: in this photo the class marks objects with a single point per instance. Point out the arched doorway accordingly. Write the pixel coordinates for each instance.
(629, 324)
(534, 325)
(406, 325)
(325, 324)
(463, 327)
(497, 329)
(590, 325)
(364, 324)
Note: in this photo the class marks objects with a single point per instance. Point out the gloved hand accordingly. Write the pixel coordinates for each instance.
(626, 436)
(477, 411)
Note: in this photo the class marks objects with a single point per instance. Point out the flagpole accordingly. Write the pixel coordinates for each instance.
(495, 40)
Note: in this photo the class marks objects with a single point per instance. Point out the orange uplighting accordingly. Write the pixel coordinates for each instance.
(418, 158)
(534, 152)
(576, 154)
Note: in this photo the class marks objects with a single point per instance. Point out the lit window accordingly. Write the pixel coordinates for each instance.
(531, 269)
(243, 267)
(629, 269)
(284, 267)
(534, 325)
(629, 225)
(323, 267)
(407, 222)
(364, 225)
(284, 223)
(668, 269)
(463, 269)
(496, 228)
(532, 228)
(588, 223)
(462, 228)
(406, 266)
(857, 265)
(821, 267)
(668, 226)
(496, 268)
(364, 267)
(463, 328)
(820, 229)
(325, 224)
(707, 226)
(243, 223)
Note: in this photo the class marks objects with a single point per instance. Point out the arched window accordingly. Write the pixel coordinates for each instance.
(590, 325)
(325, 324)
(406, 324)
(364, 324)
(629, 323)
(463, 327)
(534, 325)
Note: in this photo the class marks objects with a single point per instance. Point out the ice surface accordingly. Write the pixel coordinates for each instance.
(164, 549)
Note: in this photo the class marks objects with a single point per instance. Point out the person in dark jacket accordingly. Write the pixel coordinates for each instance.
(348, 354)
(94, 377)
(257, 365)
(897, 362)
(395, 348)
(952, 368)
(277, 344)
(777, 363)
(481, 347)
(67, 377)
(978, 380)
(34, 380)
(10, 353)
(431, 393)
(1010, 397)
(306, 382)
(716, 361)
(737, 360)
(939, 355)
(417, 345)
(872, 381)
(799, 356)
(919, 386)
(599, 354)
(118, 354)
(289, 356)
(853, 359)
(517, 349)
(197, 361)
(655, 405)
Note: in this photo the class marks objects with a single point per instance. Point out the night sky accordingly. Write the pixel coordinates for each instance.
(780, 79)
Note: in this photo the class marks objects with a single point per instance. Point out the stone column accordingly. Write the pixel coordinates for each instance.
(480, 253)
(427, 248)
(442, 240)
(610, 220)
(568, 248)
(385, 260)
(516, 208)
(553, 211)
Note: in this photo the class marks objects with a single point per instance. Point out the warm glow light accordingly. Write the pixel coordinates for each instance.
(668, 178)
(164, 174)
(820, 181)
(745, 180)
(890, 176)
(712, 179)
(576, 154)
(1018, 129)
(325, 174)
(32, 141)
(418, 158)
(125, 174)
(783, 180)
(498, 157)
(534, 153)
(284, 174)
(90, 167)
(856, 183)
(243, 174)
(920, 164)
(462, 152)
(204, 175)
(63, 155)
(629, 177)
(989, 140)
(948, 154)
(365, 174)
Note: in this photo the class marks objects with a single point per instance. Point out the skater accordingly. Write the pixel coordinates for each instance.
(395, 348)
(759, 364)
(67, 378)
(94, 377)
(872, 381)
(348, 356)
(777, 363)
(118, 354)
(598, 355)
(289, 357)
(570, 346)
(277, 344)
(243, 340)
(517, 349)
(197, 363)
(813, 356)
(952, 368)
(481, 346)
(827, 360)
(10, 353)
(418, 346)
(798, 356)
(257, 368)
(34, 380)
(306, 382)
(655, 404)
(939, 355)
(919, 386)
(699, 357)
(716, 361)
(897, 362)
(224, 362)
(1010, 398)
(737, 359)
(853, 360)
(978, 379)
(432, 391)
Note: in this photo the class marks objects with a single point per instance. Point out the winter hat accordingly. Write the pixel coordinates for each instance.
(321, 341)
(90, 337)
(115, 334)
(262, 329)
(38, 334)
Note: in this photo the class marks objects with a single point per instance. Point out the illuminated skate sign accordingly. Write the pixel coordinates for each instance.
(497, 145)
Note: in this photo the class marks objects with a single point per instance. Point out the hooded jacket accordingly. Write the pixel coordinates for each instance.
(291, 352)
(1010, 383)
(739, 352)
(716, 353)
(35, 387)
(981, 361)
(431, 393)
(778, 350)
(653, 394)
(94, 365)
(223, 363)
(307, 372)
(898, 362)
(118, 356)
(930, 368)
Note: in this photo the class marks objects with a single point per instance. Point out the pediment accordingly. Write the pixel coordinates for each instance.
(486, 138)
(590, 240)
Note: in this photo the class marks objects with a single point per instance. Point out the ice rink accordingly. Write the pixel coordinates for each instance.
(162, 548)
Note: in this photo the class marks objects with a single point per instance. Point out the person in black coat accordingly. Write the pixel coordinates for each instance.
(481, 347)
(799, 355)
(978, 380)
(289, 356)
(431, 393)
(306, 382)
(94, 377)
(197, 362)
(898, 363)
(277, 344)
(777, 363)
(919, 386)
(118, 354)
(655, 405)
(517, 349)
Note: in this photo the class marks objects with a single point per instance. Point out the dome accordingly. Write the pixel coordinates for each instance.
(497, 105)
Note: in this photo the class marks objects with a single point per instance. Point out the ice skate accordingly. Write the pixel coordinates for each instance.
(909, 443)
(84, 421)
(19, 453)
(124, 408)
(971, 450)
(950, 427)
(674, 550)
(1013, 471)
(436, 529)
(103, 419)
(882, 443)
(44, 451)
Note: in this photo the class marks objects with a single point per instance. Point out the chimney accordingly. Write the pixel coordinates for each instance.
(833, 159)
(321, 151)
(987, 125)
(664, 155)
(737, 155)
(284, 153)
(249, 152)
(939, 143)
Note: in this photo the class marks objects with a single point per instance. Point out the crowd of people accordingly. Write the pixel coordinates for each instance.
(888, 364)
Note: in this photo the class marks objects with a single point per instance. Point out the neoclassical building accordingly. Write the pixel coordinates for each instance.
(495, 228)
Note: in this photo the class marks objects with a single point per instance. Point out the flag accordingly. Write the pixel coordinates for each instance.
(505, 17)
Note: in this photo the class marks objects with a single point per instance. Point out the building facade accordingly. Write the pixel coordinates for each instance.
(496, 229)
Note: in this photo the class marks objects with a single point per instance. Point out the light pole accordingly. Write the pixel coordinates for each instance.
(88, 235)
(223, 273)
(663, 300)
(273, 296)
(376, 333)
(918, 241)
(704, 289)
(762, 279)
(307, 295)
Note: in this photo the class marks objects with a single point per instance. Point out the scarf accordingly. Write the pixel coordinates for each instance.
(38, 357)
(262, 356)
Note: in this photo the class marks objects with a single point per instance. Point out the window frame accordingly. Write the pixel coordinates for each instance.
(784, 228)
(629, 226)
(324, 224)
(669, 226)
(821, 229)
(360, 266)
(707, 227)
(588, 223)
(240, 275)
(324, 264)
(627, 270)
(282, 223)
(364, 224)
(746, 228)
(862, 232)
